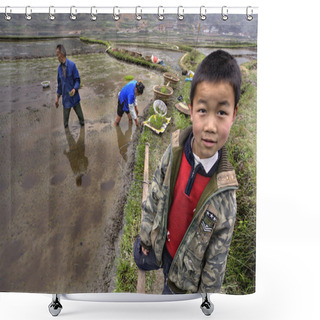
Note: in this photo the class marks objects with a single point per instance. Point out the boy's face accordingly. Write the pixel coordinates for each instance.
(212, 116)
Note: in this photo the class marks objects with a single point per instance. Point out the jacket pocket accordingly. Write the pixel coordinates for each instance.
(192, 271)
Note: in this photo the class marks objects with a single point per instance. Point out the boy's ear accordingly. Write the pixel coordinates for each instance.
(190, 108)
(235, 113)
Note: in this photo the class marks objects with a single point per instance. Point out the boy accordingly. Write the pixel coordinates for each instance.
(68, 86)
(190, 211)
(127, 101)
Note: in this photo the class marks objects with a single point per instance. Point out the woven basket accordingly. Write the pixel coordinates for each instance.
(172, 78)
(165, 97)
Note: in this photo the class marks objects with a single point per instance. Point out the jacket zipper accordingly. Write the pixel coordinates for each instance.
(190, 181)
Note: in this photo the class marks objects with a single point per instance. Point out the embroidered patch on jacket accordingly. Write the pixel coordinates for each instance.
(209, 221)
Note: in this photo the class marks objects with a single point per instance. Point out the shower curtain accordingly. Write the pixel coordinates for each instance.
(71, 196)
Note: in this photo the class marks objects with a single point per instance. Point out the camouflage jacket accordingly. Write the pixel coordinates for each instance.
(200, 261)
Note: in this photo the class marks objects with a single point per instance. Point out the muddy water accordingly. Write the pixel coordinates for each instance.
(241, 55)
(58, 187)
(45, 48)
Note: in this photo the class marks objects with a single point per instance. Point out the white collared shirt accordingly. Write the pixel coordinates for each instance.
(207, 163)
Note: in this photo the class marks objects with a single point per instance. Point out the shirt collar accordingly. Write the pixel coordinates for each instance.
(207, 166)
(207, 163)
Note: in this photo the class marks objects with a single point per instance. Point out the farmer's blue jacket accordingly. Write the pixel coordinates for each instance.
(66, 83)
(127, 95)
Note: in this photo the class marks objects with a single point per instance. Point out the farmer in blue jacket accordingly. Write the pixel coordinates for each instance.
(127, 102)
(68, 86)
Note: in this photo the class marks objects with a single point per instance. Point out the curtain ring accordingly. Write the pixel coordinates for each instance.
(93, 16)
(51, 15)
(160, 16)
(116, 16)
(249, 16)
(180, 15)
(224, 13)
(203, 15)
(138, 15)
(27, 14)
(73, 16)
(6, 14)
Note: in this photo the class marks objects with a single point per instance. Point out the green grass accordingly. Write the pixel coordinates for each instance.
(88, 40)
(192, 60)
(128, 78)
(240, 271)
(138, 61)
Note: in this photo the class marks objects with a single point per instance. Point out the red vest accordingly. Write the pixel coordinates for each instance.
(183, 206)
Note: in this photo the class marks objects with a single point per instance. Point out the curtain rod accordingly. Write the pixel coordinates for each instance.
(116, 11)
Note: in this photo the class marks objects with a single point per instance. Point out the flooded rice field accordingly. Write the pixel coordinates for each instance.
(58, 187)
(241, 54)
(45, 48)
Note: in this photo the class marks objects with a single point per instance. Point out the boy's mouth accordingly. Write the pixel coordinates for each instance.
(209, 142)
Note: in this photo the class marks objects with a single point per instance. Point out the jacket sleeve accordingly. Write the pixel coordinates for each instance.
(76, 77)
(132, 111)
(59, 87)
(214, 267)
(150, 208)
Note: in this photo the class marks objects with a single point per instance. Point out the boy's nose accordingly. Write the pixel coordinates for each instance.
(211, 125)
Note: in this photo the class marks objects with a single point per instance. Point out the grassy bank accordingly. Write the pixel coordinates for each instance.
(229, 45)
(88, 40)
(240, 274)
(191, 60)
(126, 57)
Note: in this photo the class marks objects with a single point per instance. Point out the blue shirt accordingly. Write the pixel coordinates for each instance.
(66, 83)
(127, 95)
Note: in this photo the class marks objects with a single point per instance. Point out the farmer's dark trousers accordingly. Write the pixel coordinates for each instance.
(78, 111)
(149, 262)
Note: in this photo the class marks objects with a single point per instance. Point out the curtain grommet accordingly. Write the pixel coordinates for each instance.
(116, 16)
(224, 13)
(93, 16)
(6, 14)
(180, 13)
(73, 15)
(138, 15)
(28, 13)
(203, 13)
(160, 16)
(249, 17)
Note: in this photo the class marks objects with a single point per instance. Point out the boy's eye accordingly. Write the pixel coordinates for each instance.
(222, 113)
(202, 110)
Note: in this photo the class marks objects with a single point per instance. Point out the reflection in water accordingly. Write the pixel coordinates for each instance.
(123, 140)
(76, 155)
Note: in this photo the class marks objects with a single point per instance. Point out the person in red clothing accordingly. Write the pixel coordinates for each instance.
(189, 215)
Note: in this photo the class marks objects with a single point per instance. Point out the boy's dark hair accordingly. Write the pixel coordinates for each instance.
(62, 49)
(218, 66)
(140, 87)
